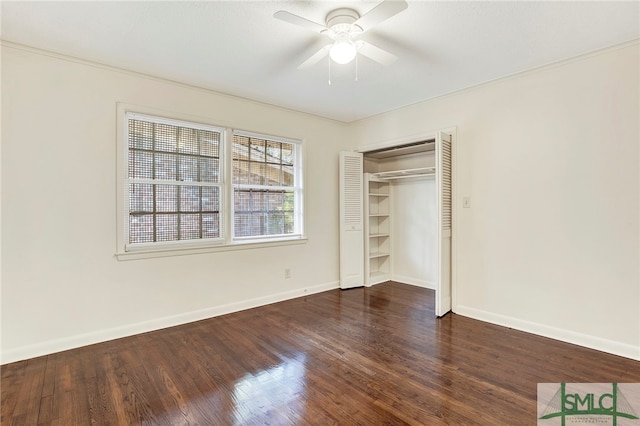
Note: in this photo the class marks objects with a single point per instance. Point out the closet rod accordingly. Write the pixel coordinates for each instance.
(403, 174)
(420, 175)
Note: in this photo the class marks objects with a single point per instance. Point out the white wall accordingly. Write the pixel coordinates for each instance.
(550, 159)
(414, 231)
(62, 286)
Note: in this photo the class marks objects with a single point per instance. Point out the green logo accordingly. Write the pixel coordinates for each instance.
(602, 403)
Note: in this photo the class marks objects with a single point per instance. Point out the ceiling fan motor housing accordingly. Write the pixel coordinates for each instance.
(342, 20)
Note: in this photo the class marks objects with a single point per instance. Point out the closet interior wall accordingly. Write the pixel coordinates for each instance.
(412, 223)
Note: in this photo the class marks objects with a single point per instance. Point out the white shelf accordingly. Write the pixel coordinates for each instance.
(378, 235)
(377, 254)
(377, 225)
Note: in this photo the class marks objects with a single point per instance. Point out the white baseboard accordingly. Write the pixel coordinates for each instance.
(597, 343)
(71, 342)
(413, 281)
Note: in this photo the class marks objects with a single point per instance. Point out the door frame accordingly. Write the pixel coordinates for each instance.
(391, 143)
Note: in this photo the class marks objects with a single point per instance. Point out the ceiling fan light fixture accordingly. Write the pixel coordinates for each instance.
(343, 52)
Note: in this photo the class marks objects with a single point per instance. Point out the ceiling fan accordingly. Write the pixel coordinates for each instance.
(343, 26)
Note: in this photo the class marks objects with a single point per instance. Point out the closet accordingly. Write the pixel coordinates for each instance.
(396, 216)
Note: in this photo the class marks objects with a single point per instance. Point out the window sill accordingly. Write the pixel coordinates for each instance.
(170, 252)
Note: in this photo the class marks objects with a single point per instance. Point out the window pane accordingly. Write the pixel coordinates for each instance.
(275, 201)
(141, 228)
(167, 227)
(289, 198)
(209, 170)
(275, 224)
(256, 224)
(242, 201)
(241, 225)
(272, 175)
(240, 148)
(140, 165)
(165, 137)
(188, 141)
(287, 175)
(140, 198)
(273, 152)
(187, 168)
(165, 167)
(166, 198)
(209, 143)
(210, 225)
(189, 226)
(252, 201)
(189, 198)
(287, 153)
(256, 174)
(140, 134)
(289, 223)
(241, 172)
(258, 149)
(211, 199)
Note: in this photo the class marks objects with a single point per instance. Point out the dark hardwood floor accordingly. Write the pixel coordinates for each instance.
(367, 356)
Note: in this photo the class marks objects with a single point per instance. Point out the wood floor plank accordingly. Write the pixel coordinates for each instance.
(12, 376)
(28, 394)
(367, 356)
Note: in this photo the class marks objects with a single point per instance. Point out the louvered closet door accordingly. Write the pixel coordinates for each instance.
(351, 221)
(444, 167)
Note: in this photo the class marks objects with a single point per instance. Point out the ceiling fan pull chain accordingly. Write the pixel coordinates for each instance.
(356, 68)
(329, 71)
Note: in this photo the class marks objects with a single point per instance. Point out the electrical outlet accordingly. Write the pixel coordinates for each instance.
(287, 273)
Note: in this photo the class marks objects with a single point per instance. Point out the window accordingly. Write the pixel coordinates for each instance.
(180, 190)
(266, 187)
(174, 187)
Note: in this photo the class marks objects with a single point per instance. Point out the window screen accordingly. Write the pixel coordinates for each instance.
(266, 187)
(173, 180)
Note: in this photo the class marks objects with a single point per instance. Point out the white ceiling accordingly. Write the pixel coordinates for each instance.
(237, 47)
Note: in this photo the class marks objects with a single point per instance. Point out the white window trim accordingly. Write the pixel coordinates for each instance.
(125, 251)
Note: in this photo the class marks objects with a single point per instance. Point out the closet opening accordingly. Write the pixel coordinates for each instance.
(399, 214)
(396, 216)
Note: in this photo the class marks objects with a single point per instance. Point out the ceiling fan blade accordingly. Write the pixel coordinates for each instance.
(373, 52)
(383, 11)
(289, 17)
(315, 58)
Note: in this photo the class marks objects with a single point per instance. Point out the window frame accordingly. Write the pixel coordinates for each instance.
(226, 242)
(297, 188)
(194, 242)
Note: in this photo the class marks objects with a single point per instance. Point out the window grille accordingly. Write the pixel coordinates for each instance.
(266, 187)
(174, 184)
